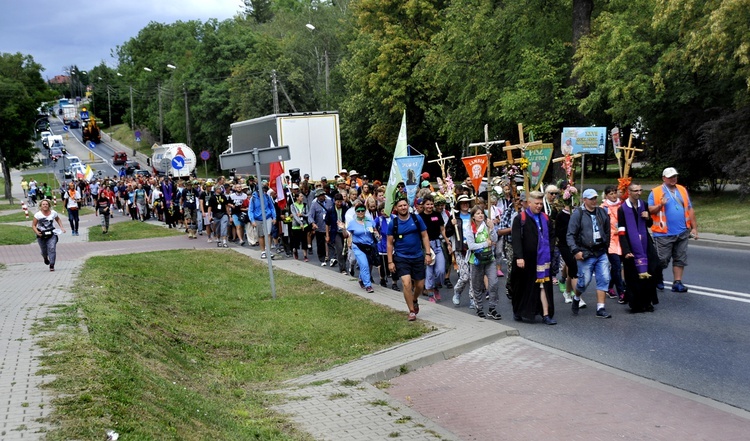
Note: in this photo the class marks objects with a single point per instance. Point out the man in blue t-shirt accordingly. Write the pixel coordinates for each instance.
(408, 253)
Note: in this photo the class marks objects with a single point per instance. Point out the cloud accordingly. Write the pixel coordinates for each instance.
(85, 34)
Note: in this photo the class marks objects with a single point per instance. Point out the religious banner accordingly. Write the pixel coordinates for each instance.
(410, 168)
(475, 167)
(395, 177)
(539, 157)
(616, 141)
(588, 140)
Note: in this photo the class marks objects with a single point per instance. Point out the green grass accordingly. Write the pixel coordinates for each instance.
(186, 345)
(20, 216)
(129, 230)
(16, 235)
(722, 214)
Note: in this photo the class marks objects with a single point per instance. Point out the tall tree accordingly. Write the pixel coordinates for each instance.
(22, 90)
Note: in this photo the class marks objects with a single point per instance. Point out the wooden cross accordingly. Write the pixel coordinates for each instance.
(441, 160)
(508, 149)
(629, 154)
(487, 144)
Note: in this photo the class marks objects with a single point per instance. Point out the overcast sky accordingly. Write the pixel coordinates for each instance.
(59, 34)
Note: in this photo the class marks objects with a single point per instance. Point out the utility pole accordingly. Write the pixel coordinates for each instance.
(161, 123)
(187, 118)
(109, 109)
(325, 54)
(275, 92)
(132, 120)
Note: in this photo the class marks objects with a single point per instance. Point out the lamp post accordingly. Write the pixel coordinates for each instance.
(317, 62)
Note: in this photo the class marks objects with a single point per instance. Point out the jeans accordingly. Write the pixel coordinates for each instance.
(597, 266)
(616, 273)
(436, 271)
(478, 273)
(364, 265)
(73, 219)
(48, 247)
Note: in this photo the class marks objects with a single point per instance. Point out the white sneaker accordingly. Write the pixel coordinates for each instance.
(323, 263)
(581, 303)
(568, 297)
(333, 262)
(456, 299)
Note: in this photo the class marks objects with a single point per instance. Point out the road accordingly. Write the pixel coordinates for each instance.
(697, 341)
(102, 153)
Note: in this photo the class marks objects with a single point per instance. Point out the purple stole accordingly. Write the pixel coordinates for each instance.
(543, 254)
(635, 228)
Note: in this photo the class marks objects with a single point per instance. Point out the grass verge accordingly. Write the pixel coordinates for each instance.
(722, 214)
(129, 230)
(16, 235)
(177, 353)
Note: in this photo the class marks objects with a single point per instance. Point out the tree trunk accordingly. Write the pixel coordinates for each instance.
(582, 10)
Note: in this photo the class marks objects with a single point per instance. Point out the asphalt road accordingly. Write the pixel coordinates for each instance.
(698, 341)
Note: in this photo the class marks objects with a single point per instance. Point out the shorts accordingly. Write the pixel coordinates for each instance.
(596, 266)
(236, 221)
(264, 230)
(673, 247)
(410, 267)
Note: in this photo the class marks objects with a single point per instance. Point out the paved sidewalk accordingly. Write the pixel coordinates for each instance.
(470, 379)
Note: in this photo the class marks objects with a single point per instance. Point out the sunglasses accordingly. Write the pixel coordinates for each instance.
(360, 210)
(554, 193)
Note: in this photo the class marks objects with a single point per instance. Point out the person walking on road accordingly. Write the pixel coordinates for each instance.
(674, 224)
(639, 256)
(481, 238)
(43, 225)
(588, 240)
(408, 253)
(532, 263)
(72, 198)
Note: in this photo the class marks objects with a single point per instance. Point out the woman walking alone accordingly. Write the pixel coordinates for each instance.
(43, 225)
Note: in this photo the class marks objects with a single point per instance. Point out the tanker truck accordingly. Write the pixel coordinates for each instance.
(176, 160)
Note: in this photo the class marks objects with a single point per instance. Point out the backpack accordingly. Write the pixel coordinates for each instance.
(395, 226)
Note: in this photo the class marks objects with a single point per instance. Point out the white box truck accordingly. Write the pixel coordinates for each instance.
(313, 138)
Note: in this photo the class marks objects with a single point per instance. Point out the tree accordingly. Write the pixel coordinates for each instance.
(22, 90)
(677, 65)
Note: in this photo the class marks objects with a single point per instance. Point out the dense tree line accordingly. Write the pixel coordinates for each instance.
(675, 71)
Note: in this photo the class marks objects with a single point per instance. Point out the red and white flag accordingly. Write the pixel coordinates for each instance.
(277, 183)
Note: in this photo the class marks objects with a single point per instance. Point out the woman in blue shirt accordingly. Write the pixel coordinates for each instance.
(362, 240)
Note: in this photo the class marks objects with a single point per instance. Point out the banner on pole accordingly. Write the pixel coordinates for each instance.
(588, 140)
(475, 167)
(410, 167)
(539, 157)
(395, 176)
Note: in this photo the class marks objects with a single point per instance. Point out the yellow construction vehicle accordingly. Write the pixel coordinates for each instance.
(90, 131)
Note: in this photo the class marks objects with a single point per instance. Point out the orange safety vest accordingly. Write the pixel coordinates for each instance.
(660, 220)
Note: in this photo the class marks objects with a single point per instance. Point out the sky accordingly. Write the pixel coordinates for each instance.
(85, 33)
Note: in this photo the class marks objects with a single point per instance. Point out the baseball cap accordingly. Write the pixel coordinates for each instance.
(669, 172)
(590, 193)
(425, 175)
(323, 179)
(425, 184)
(319, 192)
(295, 187)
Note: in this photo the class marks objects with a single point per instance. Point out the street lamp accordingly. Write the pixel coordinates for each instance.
(310, 27)
(317, 62)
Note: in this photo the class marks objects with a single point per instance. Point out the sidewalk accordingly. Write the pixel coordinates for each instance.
(470, 379)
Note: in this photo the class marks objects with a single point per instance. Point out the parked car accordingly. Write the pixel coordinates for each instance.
(44, 136)
(73, 160)
(131, 167)
(144, 173)
(119, 158)
(55, 153)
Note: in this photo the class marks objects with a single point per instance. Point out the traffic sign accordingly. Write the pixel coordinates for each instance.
(178, 162)
(92, 144)
(65, 128)
(137, 136)
(205, 154)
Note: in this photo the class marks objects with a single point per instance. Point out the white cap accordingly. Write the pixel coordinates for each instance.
(669, 172)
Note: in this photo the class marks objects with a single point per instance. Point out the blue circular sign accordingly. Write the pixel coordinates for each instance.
(92, 144)
(65, 128)
(205, 154)
(178, 162)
